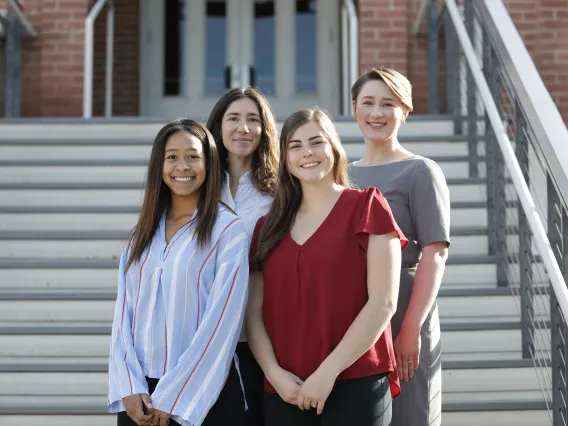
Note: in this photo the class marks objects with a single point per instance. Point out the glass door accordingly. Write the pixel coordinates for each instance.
(192, 51)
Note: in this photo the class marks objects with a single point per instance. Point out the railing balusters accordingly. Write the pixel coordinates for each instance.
(525, 249)
(558, 236)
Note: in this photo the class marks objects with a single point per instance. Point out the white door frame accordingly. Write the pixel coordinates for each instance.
(193, 101)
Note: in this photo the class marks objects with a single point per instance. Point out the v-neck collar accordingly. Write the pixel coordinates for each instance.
(321, 225)
(162, 228)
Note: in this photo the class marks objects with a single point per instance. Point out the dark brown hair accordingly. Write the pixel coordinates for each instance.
(265, 157)
(157, 196)
(396, 82)
(288, 194)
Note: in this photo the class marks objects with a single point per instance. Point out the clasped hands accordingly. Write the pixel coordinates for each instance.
(309, 394)
(139, 408)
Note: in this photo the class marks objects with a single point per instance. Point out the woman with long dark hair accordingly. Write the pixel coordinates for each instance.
(182, 291)
(324, 287)
(245, 130)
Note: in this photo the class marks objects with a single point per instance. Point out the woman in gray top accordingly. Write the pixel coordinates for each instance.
(416, 190)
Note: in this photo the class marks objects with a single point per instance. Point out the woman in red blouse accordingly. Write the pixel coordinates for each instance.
(324, 285)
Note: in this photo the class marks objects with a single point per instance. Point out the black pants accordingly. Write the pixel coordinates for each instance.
(359, 402)
(253, 381)
(228, 410)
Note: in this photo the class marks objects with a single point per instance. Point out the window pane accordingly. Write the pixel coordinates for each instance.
(216, 28)
(306, 46)
(174, 49)
(264, 46)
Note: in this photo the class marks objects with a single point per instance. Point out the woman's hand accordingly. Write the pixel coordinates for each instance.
(161, 418)
(138, 408)
(316, 389)
(286, 384)
(407, 351)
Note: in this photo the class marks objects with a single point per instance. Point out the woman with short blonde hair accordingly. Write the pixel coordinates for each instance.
(417, 193)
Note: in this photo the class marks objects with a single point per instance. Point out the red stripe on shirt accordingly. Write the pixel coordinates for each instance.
(166, 334)
(203, 266)
(208, 343)
(138, 296)
(124, 343)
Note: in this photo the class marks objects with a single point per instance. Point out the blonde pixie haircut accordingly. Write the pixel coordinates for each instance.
(397, 83)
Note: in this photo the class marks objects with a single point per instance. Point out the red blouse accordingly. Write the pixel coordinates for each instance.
(314, 291)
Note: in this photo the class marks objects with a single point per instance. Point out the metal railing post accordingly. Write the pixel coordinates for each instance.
(471, 95)
(13, 94)
(453, 74)
(525, 248)
(109, 58)
(490, 147)
(433, 59)
(558, 236)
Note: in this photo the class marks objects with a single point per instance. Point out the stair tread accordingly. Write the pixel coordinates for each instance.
(96, 404)
(104, 327)
(98, 293)
(100, 364)
(124, 234)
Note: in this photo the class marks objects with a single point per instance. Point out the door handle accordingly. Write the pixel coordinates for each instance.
(252, 76)
(228, 77)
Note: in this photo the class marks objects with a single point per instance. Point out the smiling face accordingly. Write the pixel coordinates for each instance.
(309, 154)
(241, 129)
(379, 112)
(184, 165)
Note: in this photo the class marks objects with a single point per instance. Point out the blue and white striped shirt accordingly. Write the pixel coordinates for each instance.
(178, 316)
(249, 203)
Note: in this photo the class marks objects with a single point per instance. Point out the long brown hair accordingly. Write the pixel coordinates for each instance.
(288, 194)
(157, 196)
(265, 157)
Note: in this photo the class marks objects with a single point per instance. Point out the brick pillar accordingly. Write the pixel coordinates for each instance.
(383, 34)
(61, 43)
(125, 72)
(418, 63)
(552, 50)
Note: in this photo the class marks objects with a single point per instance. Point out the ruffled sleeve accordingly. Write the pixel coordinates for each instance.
(376, 218)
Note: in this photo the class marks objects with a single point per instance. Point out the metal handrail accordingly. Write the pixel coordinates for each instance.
(89, 48)
(350, 47)
(22, 17)
(525, 197)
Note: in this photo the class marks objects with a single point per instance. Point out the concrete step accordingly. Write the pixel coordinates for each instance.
(460, 342)
(96, 383)
(74, 218)
(457, 308)
(96, 170)
(464, 418)
(140, 151)
(16, 292)
(73, 131)
(128, 193)
(109, 244)
(65, 364)
(521, 417)
(60, 273)
(78, 274)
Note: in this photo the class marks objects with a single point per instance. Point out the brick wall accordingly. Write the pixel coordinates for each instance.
(125, 76)
(387, 39)
(383, 38)
(52, 63)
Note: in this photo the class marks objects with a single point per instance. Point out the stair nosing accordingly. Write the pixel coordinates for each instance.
(104, 328)
(140, 185)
